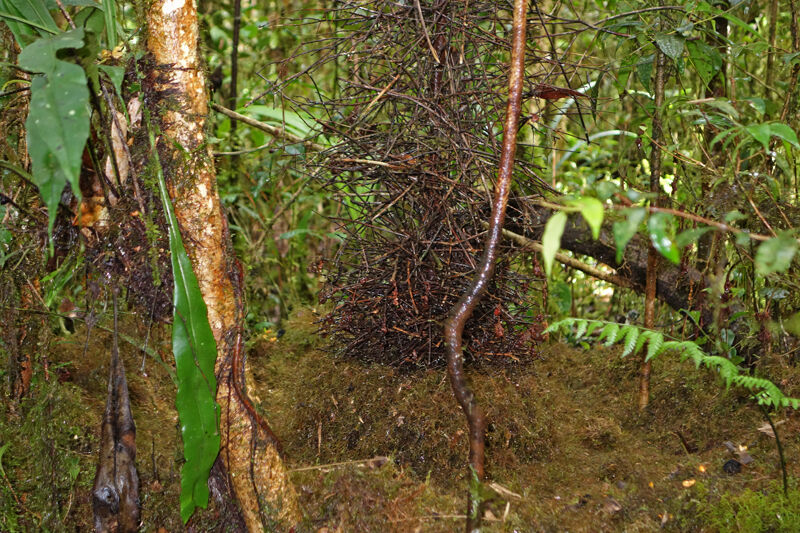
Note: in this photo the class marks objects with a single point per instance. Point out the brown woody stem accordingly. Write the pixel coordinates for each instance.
(454, 326)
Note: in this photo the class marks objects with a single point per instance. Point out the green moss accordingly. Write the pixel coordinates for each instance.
(565, 436)
(47, 459)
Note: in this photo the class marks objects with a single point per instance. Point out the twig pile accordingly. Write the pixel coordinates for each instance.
(418, 118)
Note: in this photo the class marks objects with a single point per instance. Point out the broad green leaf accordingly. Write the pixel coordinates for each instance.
(551, 239)
(644, 70)
(605, 189)
(623, 73)
(689, 236)
(592, 211)
(27, 18)
(671, 44)
(624, 230)
(662, 242)
(761, 133)
(706, 60)
(775, 255)
(195, 352)
(58, 121)
(115, 74)
(784, 132)
(759, 104)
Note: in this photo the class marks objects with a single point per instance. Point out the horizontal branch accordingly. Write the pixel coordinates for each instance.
(275, 131)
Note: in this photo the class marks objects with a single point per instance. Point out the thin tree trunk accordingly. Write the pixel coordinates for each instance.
(652, 254)
(249, 453)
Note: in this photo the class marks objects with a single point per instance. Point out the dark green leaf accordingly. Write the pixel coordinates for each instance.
(27, 18)
(775, 255)
(58, 121)
(784, 132)
(706, 60)
(624, 71)
(671, 44)
(761, 133)
(115, 74)
(644, 70)
(657, 226)
(195, 352)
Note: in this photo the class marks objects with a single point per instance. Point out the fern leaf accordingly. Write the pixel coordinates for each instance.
(764, 391)
(640, 342)
(581, 329)
(630, 340)
(555, 327)
(609, 333)
(593, 325)
(654, 345)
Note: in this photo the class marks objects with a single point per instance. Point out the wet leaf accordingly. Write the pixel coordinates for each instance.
(115, 494)
(58, 121)
(662, 242)
(195, 353)
(670, 44)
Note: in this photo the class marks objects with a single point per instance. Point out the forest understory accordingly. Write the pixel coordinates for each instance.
(374, 449)
(399, 265)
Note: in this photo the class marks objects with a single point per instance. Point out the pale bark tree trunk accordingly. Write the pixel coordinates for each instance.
(249, 453)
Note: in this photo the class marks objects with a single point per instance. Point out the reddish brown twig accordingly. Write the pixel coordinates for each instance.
(237, 363)
(454, 326)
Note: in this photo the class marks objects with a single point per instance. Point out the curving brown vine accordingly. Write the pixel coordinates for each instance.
(454, 326)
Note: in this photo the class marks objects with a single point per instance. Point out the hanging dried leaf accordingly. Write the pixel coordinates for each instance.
(115, 495)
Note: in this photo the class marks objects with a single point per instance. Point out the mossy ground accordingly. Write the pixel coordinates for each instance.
(565, 440)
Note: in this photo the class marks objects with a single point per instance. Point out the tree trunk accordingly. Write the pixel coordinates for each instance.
(249, 454)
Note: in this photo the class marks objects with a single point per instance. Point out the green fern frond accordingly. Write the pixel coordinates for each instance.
(581, 328)
(633, 338)
(656, 339)
(609, 333)
(593, 326)
(630, 340)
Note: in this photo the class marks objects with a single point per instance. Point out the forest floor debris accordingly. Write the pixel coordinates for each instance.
(565, 442)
